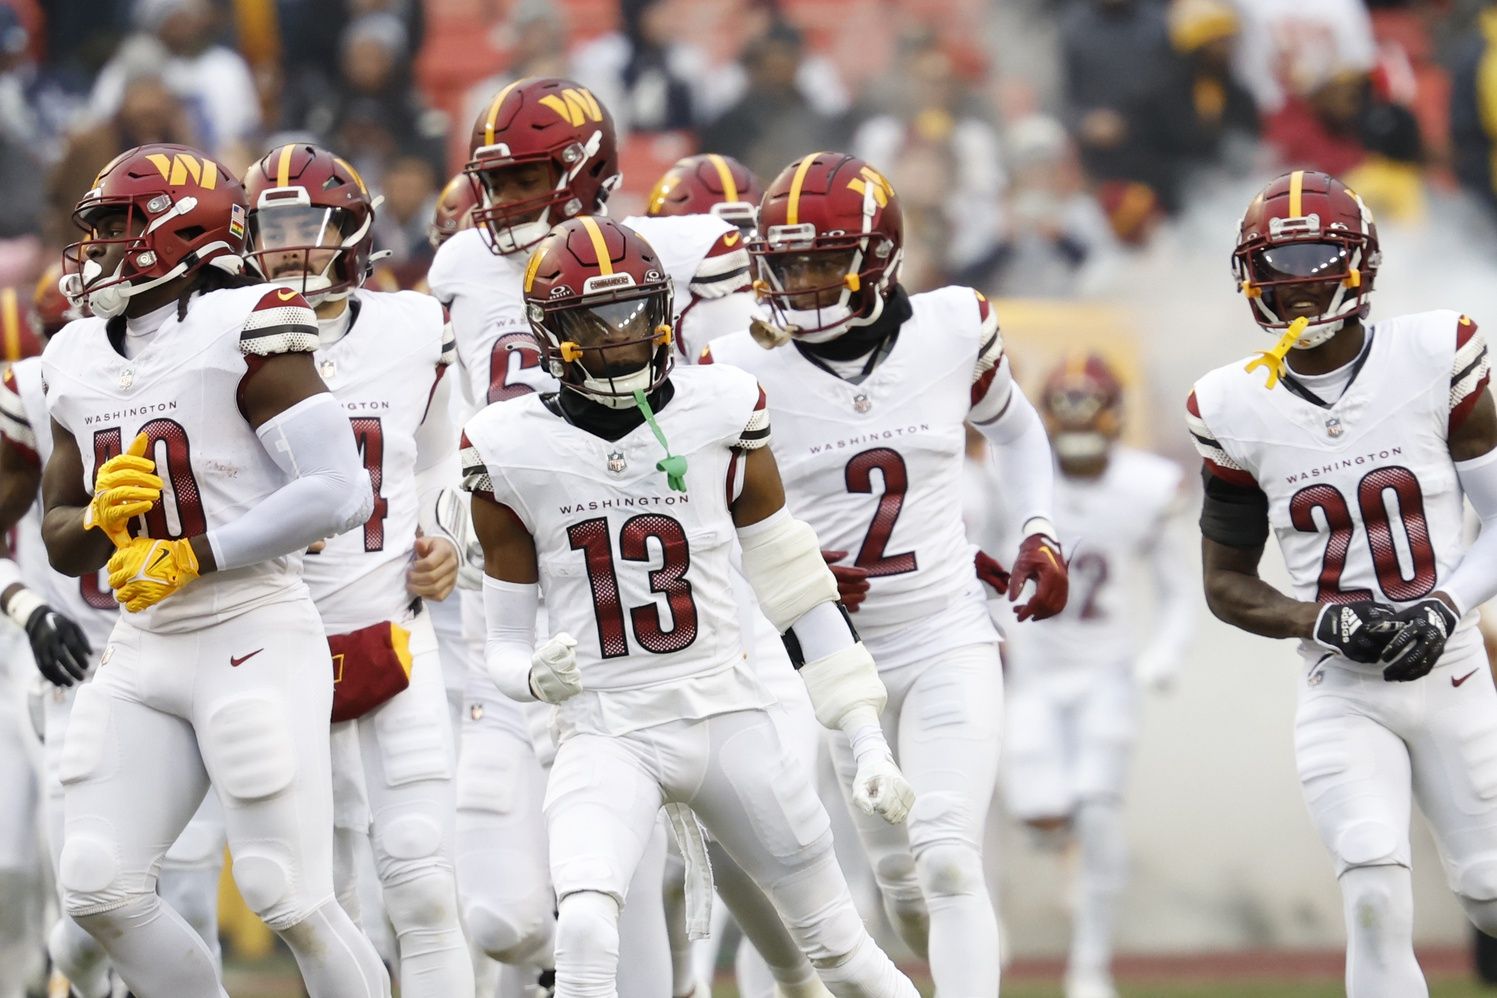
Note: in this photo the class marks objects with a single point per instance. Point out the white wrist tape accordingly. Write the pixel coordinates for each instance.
(782, 561)
(22, 605)
(843, 682)
(10, 573)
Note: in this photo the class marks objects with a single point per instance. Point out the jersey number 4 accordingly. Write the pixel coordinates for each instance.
(1377, 519)
(591, 537)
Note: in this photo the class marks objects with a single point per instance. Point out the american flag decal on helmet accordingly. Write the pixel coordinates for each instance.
(236, 221)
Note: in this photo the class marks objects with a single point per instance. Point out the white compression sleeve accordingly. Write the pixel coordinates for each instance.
(1474, 580)
(328, 492)
(509, 635)
(1022, 449)
(1175, 606)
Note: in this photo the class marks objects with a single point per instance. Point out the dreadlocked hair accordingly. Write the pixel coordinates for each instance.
(207, 279)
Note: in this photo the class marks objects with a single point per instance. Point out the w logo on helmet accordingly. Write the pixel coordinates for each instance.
(176, 168)
(574, 106)
(882, 189)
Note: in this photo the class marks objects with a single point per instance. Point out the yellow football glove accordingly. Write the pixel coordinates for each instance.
(125, 487)
(145, 571)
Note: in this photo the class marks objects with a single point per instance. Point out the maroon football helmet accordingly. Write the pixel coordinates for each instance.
(454, 211)
(556, 124)
(311, 222)
(828, 217)
(1307, 246)
(171, 210)
(708, 184)
(19, 335)
(50, 308)
(599, 305)
(1082, 402)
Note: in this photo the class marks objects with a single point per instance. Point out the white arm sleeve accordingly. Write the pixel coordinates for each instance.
(437, 465)
(509, 635)
(1175, 609)
(1022, 450)
(328, 491)
(1474, 580)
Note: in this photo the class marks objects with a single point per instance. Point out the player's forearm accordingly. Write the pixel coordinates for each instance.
(1249, 603)
(71, 549)
(1022, 450)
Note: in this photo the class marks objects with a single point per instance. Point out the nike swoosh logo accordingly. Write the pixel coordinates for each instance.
(1456, 682)
(731, 239)
(237, 662)
(286, 294)
(161, 556)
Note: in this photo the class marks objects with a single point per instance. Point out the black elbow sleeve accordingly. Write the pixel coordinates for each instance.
(1234, 515)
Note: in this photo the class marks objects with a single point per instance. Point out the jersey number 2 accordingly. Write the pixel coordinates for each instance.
(591, 538)
(1372, 499)
(896, 481)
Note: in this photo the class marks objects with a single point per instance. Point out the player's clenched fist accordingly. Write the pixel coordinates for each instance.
(1039, 562)
(125, 487)
(553, 670)
(145, 571)
(880, 787)
(1359, 631)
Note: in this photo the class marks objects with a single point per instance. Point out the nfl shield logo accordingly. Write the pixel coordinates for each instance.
(327, 369)
(860, 403)
(616, 463)
(1333, 427)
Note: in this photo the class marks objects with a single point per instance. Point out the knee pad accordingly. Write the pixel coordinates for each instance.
(265, 881)
(948, 870)
(513, 936)
(940, 818)
(248, 747)
(587, 940)
(407, 844)
(428, 901)
(1482, 913)
(897, 877)
(1368, 843)
(89, 871)
(1477, 880)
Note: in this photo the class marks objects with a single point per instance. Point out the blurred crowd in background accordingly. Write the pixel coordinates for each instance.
(1034, 142)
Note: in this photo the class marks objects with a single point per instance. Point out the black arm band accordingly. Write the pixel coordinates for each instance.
(792, 643)
(1233, 515)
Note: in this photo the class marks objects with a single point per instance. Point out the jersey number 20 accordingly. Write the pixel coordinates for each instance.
(1372, 500)
(591, 537)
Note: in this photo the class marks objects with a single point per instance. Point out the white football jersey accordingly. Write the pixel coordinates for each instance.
(383, 371)
(876, 467)
(703, 255)
(182, 391)
(1363, 495)
(639, 574)
(87, 601)
(1109, 525)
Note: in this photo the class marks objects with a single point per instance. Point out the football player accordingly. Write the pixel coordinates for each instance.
(542, 151)
(1355, 442)
(711, 184)
(69, 621)
(196, 453)
(453, 212)
(1072, 680)
(655, 704)
(870, 388)
(383, 356)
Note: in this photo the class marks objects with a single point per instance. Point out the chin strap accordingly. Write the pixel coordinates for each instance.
(1273, 359)
(674, 465)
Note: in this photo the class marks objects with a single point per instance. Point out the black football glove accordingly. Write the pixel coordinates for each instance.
(1420, 642)
(1358, 631)
(59, 646)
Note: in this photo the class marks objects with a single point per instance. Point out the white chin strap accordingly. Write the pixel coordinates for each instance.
(1083, 445)
(108, 302)
(600, 389)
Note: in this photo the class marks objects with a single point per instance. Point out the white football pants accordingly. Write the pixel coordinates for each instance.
(245, 703)
(1366, 750)
(943, 722)
(755, 799)
(404, 759)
